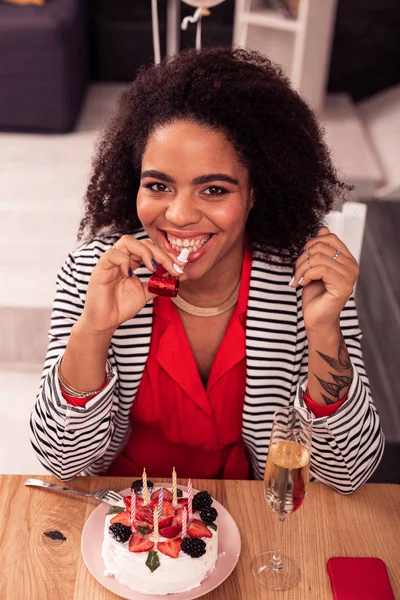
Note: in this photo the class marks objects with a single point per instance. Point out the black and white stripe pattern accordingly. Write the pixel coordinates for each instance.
(70, 441)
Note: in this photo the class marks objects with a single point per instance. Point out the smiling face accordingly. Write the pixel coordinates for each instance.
(194, 193)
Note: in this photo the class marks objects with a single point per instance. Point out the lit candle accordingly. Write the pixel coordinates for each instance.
(190, 498)
(160, 503)
(174, 489)
(184, 523)
(133, 508)
(145, 491)
(155, 525)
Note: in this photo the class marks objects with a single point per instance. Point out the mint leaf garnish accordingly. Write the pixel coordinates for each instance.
(213, 526)
(114, 510)
(152, 562)
(143, 529)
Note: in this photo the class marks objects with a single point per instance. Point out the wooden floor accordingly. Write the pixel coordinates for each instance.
(378, 303)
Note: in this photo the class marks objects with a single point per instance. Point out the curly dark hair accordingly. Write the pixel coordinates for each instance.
(246, 96)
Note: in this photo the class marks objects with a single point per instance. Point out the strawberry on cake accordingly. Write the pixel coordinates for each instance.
(152, 554)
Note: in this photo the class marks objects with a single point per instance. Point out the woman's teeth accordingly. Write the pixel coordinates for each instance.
(192, 245)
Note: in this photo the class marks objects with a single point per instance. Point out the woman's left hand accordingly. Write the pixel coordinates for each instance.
(327, 271)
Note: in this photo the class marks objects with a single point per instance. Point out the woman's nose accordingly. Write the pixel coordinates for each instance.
(182, 210)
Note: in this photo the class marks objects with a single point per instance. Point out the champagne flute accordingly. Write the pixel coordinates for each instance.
(285, 486)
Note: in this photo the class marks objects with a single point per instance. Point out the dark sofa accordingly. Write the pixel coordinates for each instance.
(43, 70)
(43, 59)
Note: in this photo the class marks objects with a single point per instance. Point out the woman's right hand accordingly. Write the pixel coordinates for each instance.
(115, 294)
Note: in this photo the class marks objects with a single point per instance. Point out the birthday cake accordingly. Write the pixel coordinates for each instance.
(166, 544)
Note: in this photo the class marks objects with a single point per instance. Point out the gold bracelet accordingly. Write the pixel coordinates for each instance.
(73, 392)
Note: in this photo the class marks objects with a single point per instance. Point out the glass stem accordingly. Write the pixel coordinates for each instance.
(276, 562)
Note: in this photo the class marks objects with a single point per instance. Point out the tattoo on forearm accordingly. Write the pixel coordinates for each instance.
(328, 400)
(343, 355)
(341, 363)
(332, 388)
(342, 380)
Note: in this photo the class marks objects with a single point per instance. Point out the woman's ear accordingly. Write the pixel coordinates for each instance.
(251, 200)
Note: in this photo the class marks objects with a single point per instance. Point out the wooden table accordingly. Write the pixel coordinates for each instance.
(34, 567)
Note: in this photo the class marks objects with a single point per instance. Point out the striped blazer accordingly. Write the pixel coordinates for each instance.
(69, 441)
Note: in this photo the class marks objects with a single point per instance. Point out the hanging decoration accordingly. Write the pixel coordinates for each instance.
(202, 10)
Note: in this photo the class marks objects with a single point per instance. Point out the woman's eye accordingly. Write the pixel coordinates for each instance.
(156, 187)
(215, 190)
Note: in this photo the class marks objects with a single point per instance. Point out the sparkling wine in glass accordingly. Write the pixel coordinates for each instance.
(285, 486)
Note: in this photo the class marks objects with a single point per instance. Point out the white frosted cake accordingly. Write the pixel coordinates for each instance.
(169, 565)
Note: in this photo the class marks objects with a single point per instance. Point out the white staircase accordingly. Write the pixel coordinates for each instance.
(380, 115)
(42, 183)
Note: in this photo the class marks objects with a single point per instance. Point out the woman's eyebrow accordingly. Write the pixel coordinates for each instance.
(196, 181)
(213, 177)
(157, 175)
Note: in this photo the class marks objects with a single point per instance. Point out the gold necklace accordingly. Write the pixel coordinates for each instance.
(211, 311)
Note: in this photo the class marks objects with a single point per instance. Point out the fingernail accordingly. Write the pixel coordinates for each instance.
(153, 262)
(130, 272)
(301, 280)
(183, 257)
(291, 281)
(178, 269)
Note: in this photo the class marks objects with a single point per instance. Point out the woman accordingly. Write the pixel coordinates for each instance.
(212, 151)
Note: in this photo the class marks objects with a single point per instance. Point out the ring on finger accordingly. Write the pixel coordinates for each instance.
(336, 255)
(308, 252)
(309, 262)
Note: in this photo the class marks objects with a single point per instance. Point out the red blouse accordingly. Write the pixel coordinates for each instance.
(175, 420)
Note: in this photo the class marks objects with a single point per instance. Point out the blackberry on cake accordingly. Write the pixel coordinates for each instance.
(121, 533)
(195, 547)
(208, 515)
(137, 485)
(201, 500)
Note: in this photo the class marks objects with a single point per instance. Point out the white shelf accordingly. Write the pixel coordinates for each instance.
(272, 19)
(300, 46)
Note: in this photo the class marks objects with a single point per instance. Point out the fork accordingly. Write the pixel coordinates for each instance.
(104, 495)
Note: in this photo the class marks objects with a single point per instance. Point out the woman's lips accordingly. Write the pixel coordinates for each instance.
(193, 256)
